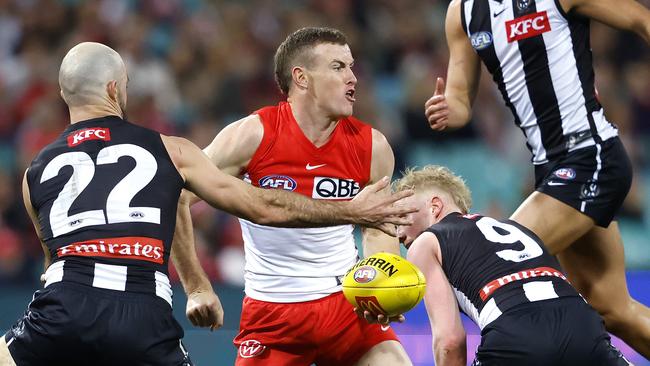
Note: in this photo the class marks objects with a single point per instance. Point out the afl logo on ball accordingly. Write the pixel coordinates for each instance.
(364, 274)
(565, 173)
(278, 181)
(251, 348)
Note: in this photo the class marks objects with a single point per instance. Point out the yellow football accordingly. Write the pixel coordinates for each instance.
(384, 283)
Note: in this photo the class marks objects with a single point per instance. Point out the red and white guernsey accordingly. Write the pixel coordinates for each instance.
(293, 265)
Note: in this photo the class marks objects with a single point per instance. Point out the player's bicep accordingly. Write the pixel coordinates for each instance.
(463, 72)
(627, 15)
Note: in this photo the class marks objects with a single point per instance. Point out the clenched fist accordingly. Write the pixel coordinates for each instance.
(204, 309)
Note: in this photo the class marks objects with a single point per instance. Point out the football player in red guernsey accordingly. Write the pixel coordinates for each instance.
(294, 312)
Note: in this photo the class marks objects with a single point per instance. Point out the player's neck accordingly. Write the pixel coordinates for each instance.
(314, 124)
(448, 209)
(86, 112)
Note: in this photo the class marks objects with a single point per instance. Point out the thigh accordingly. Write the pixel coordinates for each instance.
(5, 356)
(595, 265)
(583, 189)
(344, 338)
(45, 329)
(557, 224)
(385, 353)
(252, 353)
(275, 334)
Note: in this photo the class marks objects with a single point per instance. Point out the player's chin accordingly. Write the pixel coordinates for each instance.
(346, 110)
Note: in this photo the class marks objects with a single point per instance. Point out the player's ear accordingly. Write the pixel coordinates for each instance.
(111, 90)
(299, 77)
(437, 206)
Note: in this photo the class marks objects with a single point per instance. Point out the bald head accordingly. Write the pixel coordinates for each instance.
(86, 71)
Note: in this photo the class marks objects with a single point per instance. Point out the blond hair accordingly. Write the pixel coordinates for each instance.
(435, 176)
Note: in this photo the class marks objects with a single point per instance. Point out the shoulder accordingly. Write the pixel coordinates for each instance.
(248, 130)
(180, 149)
(454, 5)
(379, 140)
(425, 247)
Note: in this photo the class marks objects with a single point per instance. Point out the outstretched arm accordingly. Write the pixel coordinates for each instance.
(449, 345)
(626, 15)
(278, 207)
(451, 107)
(382, 165)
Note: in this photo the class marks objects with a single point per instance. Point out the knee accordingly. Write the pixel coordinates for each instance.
(617, 319)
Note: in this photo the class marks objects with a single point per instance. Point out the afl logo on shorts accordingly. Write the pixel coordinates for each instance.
(278, 181)
(481, 40)
(251, 348)
(364, 274)
(565, 173)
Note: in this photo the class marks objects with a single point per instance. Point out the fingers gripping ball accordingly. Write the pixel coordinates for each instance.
(384, 283)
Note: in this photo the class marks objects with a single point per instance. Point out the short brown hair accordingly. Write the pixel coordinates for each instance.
(295, 46)
(435, 176)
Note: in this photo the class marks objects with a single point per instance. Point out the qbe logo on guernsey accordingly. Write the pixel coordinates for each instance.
(327, 188)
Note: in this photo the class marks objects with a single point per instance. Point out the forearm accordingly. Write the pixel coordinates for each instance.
(183, 253)
(450, 353)
(282, 208)
(459, 113)
(375, 241)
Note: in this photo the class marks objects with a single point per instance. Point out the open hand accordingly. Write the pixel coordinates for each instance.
(381, 210)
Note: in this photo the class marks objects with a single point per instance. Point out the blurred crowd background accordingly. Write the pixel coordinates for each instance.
(196, 66)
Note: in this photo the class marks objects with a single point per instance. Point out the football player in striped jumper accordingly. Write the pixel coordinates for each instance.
(501, 276)
(539, 56)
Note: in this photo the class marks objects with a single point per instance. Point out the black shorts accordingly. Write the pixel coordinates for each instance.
(560, 332)
(73, 324)
(593, 180)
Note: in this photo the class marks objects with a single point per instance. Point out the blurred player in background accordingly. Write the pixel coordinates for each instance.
(538, 54)
(501, 276)
(294, 312)
(103, 199)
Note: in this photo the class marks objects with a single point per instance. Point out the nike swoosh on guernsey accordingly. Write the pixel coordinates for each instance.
(495, 14)
(385, 327)
(556, 184)
(311, 167)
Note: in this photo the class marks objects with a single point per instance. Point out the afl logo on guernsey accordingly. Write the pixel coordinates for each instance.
(481, 40)
(364, 274)
(278, 181)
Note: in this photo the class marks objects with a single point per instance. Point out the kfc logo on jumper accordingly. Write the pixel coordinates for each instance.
(251, 348)
(527, 26)
(129, 247)
(88, 134)
(327, 188)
